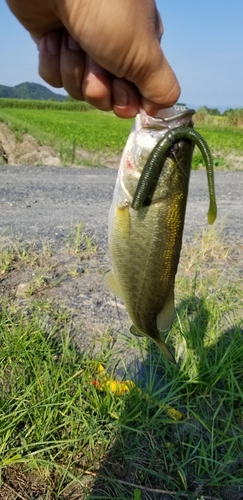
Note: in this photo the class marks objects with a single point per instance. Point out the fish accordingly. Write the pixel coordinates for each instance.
(146, 218)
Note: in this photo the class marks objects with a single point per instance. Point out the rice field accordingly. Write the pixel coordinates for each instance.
(70, 130)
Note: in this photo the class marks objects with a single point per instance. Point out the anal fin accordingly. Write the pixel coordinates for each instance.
(166, 316)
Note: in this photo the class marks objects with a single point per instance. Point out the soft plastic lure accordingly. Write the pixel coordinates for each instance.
(156, 160)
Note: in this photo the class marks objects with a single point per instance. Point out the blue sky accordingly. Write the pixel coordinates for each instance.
(203, 41)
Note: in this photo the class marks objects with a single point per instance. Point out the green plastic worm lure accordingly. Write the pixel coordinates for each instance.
(157, 157)
(147, 215)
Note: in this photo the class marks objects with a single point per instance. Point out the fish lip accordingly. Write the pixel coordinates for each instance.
(187, 113)
(167, 118)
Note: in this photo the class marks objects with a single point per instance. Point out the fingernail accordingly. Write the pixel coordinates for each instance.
(72, 44)
(53, 43)
(120, 95)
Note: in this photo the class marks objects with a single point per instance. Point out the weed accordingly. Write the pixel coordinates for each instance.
(198, 161)
(25, 252)
(82, 442)
(46, 249)
(7, 257)
(81, 243)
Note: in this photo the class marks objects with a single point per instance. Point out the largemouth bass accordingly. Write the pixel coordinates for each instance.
(147, 215)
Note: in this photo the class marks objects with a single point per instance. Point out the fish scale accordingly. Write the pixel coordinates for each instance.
(146, 222)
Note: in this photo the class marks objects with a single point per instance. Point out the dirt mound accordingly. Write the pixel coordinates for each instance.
(27, 152)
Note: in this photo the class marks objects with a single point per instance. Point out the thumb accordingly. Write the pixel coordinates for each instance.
(159, 88)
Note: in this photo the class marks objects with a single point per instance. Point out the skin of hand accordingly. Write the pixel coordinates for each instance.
(106, 52)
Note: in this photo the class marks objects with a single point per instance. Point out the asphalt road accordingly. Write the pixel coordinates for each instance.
(44, 202)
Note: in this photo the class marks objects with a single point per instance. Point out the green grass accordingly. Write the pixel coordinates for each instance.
(93, 131)
(81, 442)
(102, 135)
(81, 243)
(68, 105)
(223, 136)
(222, 141)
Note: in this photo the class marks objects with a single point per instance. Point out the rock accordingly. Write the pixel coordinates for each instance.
(22, 289)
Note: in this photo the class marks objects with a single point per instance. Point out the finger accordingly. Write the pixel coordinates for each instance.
(125, 98)
(49, 58)
(96, 86)
(159, 89)
(158, 25)
(72, 66)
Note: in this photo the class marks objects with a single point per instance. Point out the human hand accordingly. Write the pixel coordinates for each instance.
(107, 53)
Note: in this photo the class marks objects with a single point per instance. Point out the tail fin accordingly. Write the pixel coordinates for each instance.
(157, 340)
(164, 349)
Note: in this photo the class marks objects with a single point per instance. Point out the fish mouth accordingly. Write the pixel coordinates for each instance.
(168, 118)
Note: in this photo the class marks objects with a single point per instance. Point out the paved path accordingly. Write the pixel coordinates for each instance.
(43, 202)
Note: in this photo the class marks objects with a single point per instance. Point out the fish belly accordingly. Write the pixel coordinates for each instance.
(145, 248)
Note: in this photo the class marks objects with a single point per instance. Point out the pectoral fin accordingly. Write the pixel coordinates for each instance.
(122, 222)
(166, 316)
(112, 285)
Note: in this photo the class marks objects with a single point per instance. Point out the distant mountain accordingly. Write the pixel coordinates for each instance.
(29, 90)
